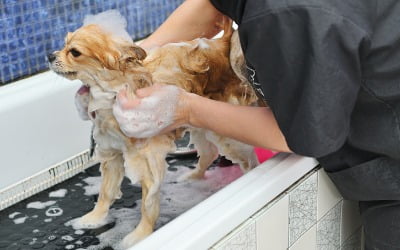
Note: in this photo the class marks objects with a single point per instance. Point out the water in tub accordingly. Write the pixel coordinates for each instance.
(45, 221)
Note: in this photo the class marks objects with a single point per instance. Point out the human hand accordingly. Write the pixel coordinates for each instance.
(82, 102)
(156, 109)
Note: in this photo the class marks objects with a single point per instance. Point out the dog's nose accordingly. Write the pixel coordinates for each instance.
(51, 57)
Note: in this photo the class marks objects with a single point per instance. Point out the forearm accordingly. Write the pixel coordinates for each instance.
(192, 19)
(252, 125)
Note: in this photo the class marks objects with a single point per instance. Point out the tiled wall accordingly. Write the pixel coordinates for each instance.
(30, 29)
(311, 215)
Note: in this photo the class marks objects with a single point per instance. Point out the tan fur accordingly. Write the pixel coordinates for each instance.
(107, 64)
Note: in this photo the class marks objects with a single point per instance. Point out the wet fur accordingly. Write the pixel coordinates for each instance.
(200, 66)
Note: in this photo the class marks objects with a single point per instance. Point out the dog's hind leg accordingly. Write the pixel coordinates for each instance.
(206, 151)
(238, 152)
(112, 173)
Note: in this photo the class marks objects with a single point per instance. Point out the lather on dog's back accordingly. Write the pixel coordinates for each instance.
(106, 60)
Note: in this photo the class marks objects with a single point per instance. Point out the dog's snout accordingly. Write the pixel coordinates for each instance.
(51, 57)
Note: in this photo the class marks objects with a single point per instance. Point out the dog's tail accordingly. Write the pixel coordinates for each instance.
(226, 26)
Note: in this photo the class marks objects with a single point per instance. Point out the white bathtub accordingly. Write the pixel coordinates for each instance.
(205, 224)
(40, 131)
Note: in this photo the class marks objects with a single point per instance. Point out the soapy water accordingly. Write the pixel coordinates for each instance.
(47, 222)
(176, 198)
(151, 116)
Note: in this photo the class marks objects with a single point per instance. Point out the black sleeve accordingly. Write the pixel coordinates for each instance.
(307, 62)
(232, 8)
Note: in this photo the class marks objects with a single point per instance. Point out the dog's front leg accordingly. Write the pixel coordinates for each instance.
(152, 169)
(112, 172)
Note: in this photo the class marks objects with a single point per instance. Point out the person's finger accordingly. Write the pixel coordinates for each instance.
(124, 102)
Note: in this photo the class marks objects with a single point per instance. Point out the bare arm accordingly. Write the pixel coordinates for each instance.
(176, 108)
(192, 19)
(252, 125)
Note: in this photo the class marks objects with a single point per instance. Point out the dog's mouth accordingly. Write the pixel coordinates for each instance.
(84, 89)
(67, 73)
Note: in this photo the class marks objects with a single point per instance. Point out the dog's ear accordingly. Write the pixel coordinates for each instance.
(138, 52)
(131, 55)
(134, 52)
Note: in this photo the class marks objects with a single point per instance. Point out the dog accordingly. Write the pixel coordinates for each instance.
(106, 60)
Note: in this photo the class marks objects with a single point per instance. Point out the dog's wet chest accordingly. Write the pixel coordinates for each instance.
(107, 134)
(106, 130)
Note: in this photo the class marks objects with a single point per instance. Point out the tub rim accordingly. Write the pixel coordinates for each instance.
(209, 221)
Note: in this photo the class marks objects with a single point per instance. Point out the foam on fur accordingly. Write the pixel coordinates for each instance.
(151, 116)
(111, 21)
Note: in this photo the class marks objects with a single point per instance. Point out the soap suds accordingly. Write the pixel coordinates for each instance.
(79, 232)
(202, 43)
(58, 193)
(20, 220)
(93, 186)
(78, 223)
(110, 21)
(151, 116)
(11, 216)
(67, 238)
(180, 44)
(40, 205)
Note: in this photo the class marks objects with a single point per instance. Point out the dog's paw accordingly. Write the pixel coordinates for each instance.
(133, 238)
(91, 220)
(190, 176)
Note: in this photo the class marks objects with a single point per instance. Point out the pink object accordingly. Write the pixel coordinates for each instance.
(83, 90)
(263, 154)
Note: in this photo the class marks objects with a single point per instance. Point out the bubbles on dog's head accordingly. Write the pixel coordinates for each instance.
(121, 53)
(111, 21)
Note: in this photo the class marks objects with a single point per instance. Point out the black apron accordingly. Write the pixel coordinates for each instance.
(330, 72)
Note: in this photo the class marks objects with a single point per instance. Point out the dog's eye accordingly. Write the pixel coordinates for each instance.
(75, 53)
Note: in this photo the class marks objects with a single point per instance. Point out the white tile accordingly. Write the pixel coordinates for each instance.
(272, 226)
(328, 195)
(328, 229)
(242, 238)
(302, 208)
(307, 241)
(351, 220)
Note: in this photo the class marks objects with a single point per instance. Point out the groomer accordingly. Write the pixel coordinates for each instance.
(330, 73)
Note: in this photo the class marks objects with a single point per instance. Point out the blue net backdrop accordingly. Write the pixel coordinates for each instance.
(30, 29)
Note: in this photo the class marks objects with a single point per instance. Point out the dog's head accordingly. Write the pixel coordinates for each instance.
(98, 50)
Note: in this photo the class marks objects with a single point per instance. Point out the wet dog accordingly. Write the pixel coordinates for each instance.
(106, 60)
